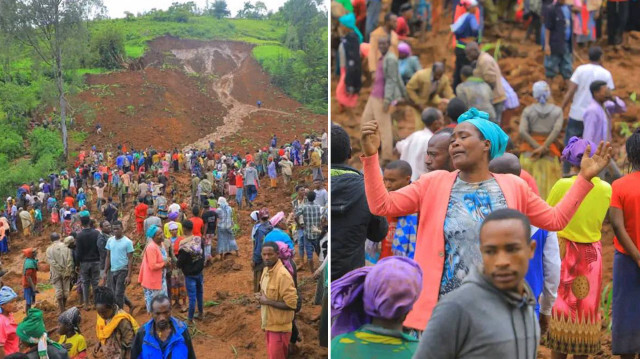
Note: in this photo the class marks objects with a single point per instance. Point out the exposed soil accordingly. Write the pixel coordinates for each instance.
(521, 64)
(191, 92)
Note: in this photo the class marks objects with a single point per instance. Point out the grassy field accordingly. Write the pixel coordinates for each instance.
(268, 55)
(140, 30)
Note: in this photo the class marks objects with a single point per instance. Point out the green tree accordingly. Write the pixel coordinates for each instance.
(49, 27)
(219, 9)
(44, 142)
(246, 10)
(109, 46)
(10, 142)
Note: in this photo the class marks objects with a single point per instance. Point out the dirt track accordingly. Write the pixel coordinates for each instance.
(521, 64)
(211, 95)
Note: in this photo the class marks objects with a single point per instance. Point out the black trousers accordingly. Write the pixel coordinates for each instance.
(617, 16)
(461, 60)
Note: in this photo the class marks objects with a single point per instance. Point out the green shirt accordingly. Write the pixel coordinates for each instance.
(373, 342)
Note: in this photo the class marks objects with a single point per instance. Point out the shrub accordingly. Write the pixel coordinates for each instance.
(11, 144)
(44, 143)
(109, 46)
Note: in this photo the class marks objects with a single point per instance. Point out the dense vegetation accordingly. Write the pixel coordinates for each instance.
(291, 44)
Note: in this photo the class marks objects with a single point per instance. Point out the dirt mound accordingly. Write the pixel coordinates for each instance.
(190, 92)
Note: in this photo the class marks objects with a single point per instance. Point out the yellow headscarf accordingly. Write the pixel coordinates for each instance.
(104, 330)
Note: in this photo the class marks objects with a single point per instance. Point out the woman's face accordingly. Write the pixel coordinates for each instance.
(158, 237)
(9, 307)
(467, 148)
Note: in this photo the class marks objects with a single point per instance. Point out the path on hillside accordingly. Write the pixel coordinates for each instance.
(237, 111)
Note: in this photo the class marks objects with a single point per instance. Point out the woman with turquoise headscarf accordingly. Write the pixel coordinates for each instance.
(456, 203)
(154, 264)
(8, 325)
(350, 64)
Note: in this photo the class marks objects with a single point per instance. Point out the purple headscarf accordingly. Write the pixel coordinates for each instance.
(284, 253)
(574, 150)
(404, 48)
(387, 290)
(173, 216)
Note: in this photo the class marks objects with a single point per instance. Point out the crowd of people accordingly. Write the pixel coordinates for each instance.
(461, 241)
(178, 232)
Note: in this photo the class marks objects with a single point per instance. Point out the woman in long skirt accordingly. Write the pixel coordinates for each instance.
(574, 326)
(540, 126)
(623, 214)
(226, 240)
(178, 287)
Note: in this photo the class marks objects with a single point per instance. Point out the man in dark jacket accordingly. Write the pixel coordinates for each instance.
(89, 258)
(352, 222)
(163, 336)
(463, 323)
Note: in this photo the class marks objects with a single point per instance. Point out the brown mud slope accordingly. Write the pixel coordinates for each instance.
(191, 92)
(521, 64)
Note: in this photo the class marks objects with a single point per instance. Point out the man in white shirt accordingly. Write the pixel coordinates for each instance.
(579, 91)
(413, 149)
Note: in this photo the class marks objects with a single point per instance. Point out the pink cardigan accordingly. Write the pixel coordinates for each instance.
(150, 276)
(429, 195)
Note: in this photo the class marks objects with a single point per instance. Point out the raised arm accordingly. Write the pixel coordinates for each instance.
(381, 202)
(544, 216)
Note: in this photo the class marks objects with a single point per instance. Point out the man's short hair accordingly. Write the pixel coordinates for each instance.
(273, 245)
(187, 224)
(388, 16)
(160, 298)
(595, 53)
(506, 214)
(85, 221)
(403, 166)
(311, 196)
(117, 223)
(596, 86)
(455, 108)
(466, 71)
(340, 144)
(430, 115)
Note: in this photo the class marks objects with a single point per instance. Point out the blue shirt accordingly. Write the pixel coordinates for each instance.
(119, 249)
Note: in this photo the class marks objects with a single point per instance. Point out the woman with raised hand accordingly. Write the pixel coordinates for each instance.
(454, 204)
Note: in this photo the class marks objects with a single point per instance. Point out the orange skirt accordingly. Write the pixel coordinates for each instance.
(540, 139)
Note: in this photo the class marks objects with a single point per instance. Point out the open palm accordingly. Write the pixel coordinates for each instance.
(592, 166)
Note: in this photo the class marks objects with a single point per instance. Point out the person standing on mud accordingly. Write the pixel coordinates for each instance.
(466, 30)
(488, 70)
(278, 298)
(251, 181)
(386, 91)
(88, 259)
(60, 259)
(263, 228)
(580, 95)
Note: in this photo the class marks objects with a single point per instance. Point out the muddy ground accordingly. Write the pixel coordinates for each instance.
(189, 93)
(521, 64)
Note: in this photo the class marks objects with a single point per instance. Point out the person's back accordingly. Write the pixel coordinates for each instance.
(478, 321)
(87, 245)
(474, 92)
(583, 76)
(352, 222)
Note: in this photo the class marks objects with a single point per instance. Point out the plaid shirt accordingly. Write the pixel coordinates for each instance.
(312, 215)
